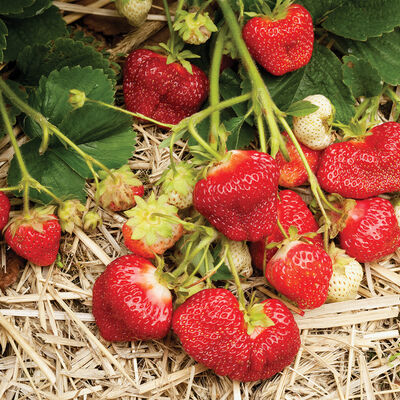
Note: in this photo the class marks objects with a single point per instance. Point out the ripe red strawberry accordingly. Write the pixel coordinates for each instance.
(301, 272)
(369, 230)
(292, 173)
(292, 211)
(35, 237)
(165, 92)
(239, 195)
(4, 210)
(129, 302)
(365, 167)
(146, 233)
(213, 330)
(281, 42)
(117, 192)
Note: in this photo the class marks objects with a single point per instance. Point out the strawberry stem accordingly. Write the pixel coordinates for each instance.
(242, 300)
(214, 87)
(172, 38)
(282, 229)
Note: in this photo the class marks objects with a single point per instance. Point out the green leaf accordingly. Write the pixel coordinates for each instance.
(37, 8)
(361, 20)
(3, 39)
(382, 53)
(37, 60)
(319, 9)
(36, 30)
(51, 171)
(361, 77)
(301, 108)
(14, 6)
(51, 98)
(230, 87)
(322, 75)
(241, 134)
(12, 110)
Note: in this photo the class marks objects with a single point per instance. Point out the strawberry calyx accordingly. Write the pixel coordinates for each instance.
(339, 258)
(91, 220)
(180, 179)
(256, 319)
(338, 221)
(278, 12)
(116, 189)
(194, 27)
(147, 222)
(36, 218)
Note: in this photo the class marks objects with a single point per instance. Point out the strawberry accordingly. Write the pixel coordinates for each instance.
(346, 277)
(146, 233)
(396, 206)
(292, 211)
(4, 210)
(314, 130)
(36, 236)
(248, 346)
(129, 301)
(117, 191)
(363, 167)
(239, 195)
(282, 41)
(135, 11)
(301, 272)
(178, 185)
(368, 229)
(292, 173)
(241, 257)
(166, 92)
(70, 214)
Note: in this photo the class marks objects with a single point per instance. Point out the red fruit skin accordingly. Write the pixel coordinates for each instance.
(4, 210)
(301, 272)
(292, 211)
(129, 303)
(212, 330)
(239, 196)
(365, 167)
(371, 230)
(165, 92)
(282, 45)
(292, 173)
(40, 248)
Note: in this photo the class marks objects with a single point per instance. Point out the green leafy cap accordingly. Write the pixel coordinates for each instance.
(180, 179)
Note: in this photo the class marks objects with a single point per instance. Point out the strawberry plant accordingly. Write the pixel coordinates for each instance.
(298, 103)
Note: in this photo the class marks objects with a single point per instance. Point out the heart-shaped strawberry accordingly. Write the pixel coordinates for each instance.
(282, 41)
(365, 167)
(215, 332)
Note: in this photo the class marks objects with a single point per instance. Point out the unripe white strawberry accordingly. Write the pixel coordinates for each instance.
(178, 185)
(396, 206)
(346, 277)
(314, 130)
(241, 257)
(135, 11)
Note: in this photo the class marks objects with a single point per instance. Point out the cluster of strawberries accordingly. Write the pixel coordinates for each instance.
(239, 197)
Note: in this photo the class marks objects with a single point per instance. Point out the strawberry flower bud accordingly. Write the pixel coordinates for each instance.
(70, 214)
(91, 221)
(194, 28)
(77, 98)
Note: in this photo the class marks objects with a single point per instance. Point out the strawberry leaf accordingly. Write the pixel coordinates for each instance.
(3, 39)
(14, 6)
(240, 133)
(319, 9)
(361, 77)
(383, 53)
(37, 8)
(301, 108)
(36, 30)
(38, 60)
(230, 86)
(359, 22)
(322, 75)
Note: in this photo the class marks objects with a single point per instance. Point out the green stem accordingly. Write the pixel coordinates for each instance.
(261, 133)
(203, 7)
(170, 27)
(242, 300)
(261, 93)
(179, 7)
(132, 114)
(214, 87)
(11, 188)
(362, 108)
(282, 229)
(202, 142)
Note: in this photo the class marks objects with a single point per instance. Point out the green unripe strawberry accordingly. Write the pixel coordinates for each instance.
(135, 11)
(70, 214)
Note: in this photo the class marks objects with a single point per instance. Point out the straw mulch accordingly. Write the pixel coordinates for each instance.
(51, 348)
